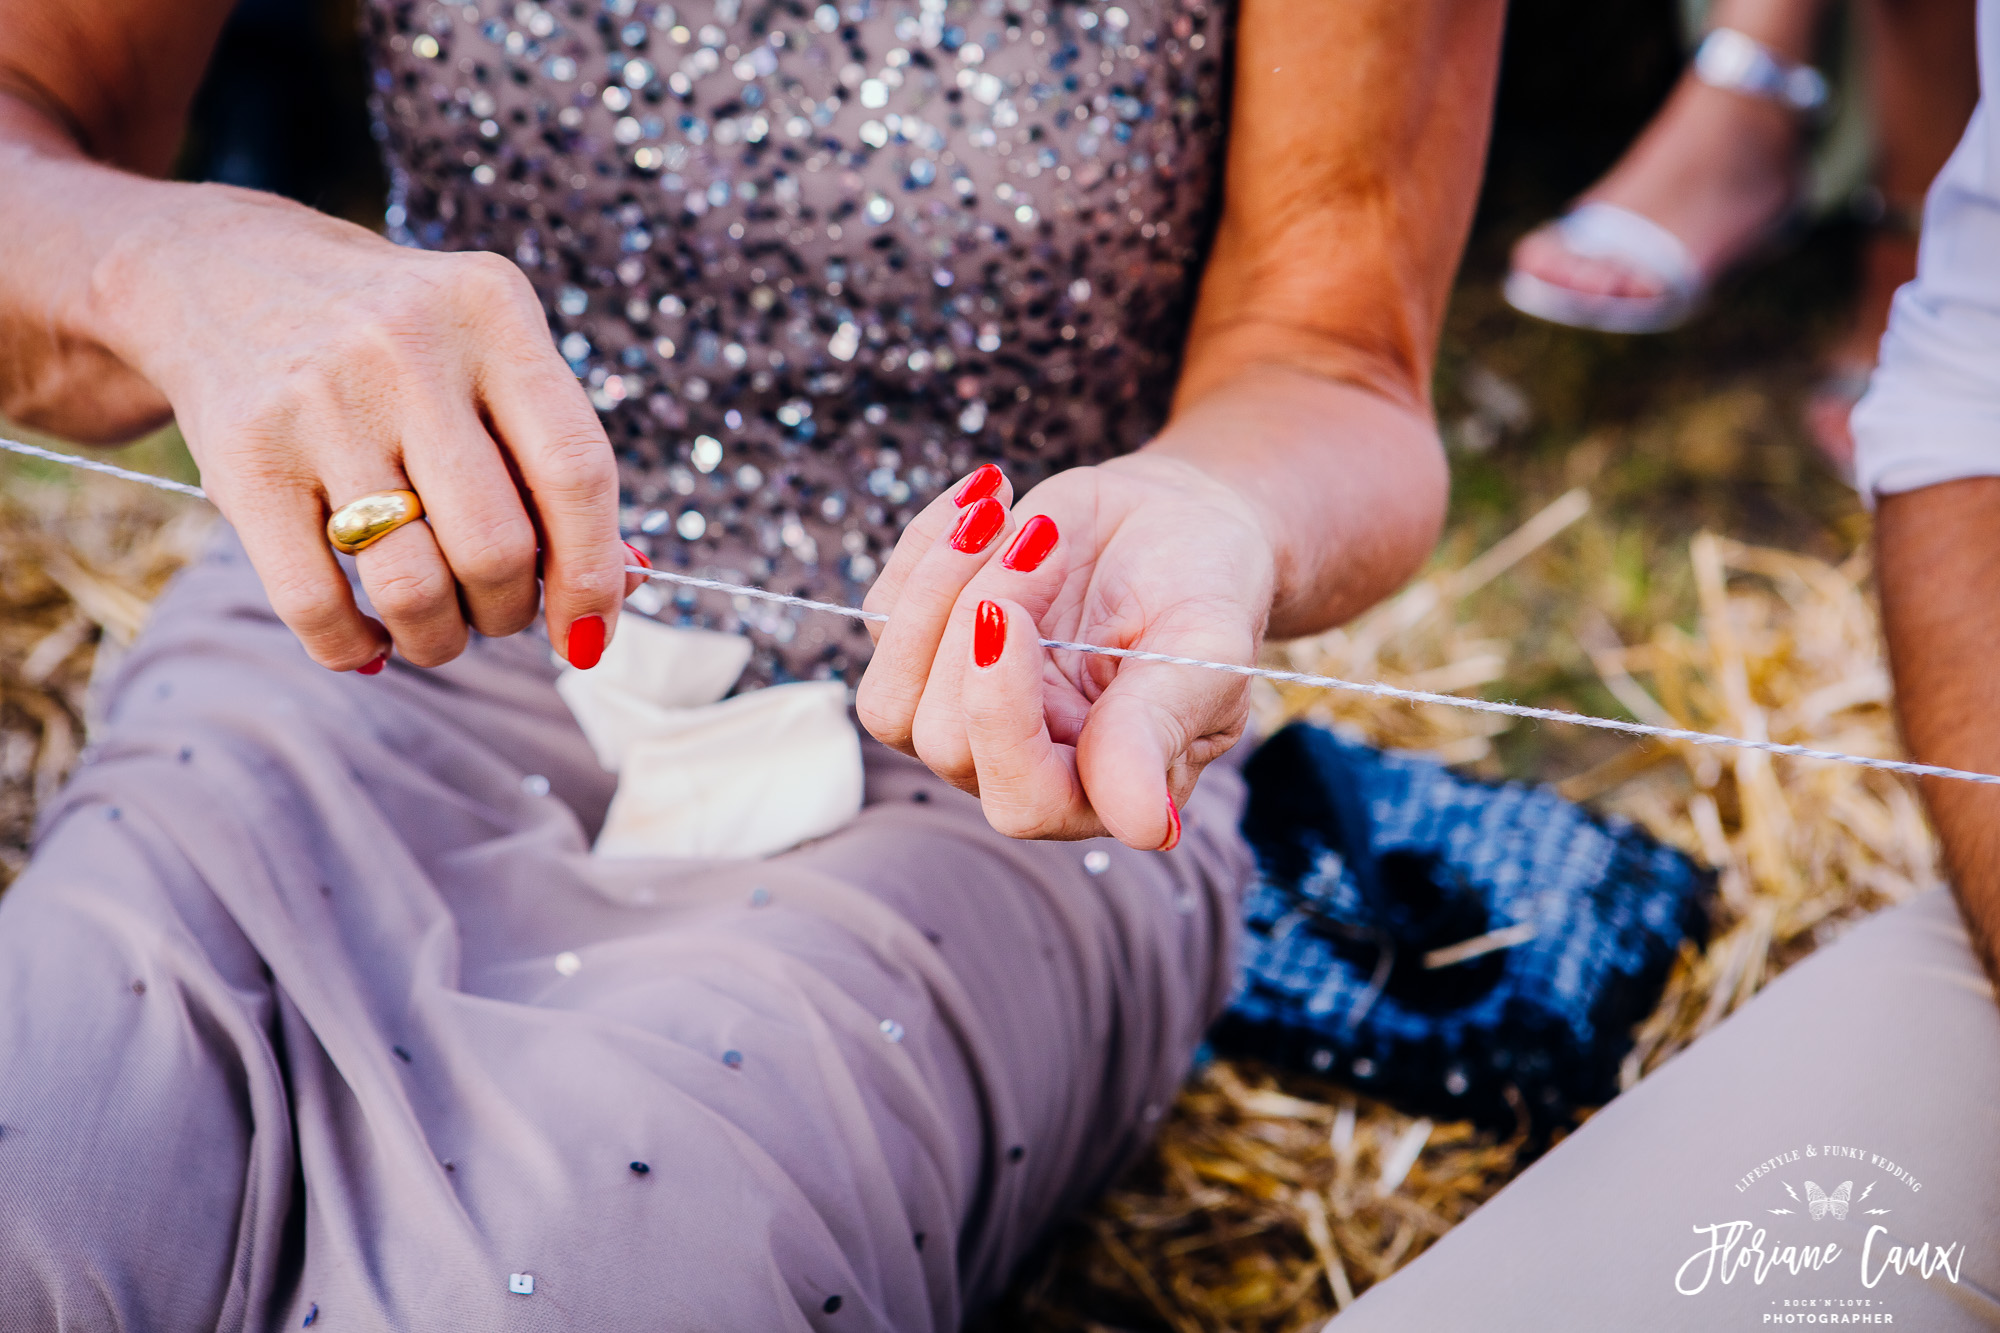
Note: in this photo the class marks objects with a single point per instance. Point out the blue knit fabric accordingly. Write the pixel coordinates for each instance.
(1370, 860)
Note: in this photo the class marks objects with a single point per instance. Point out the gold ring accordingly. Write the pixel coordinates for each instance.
(359, 524)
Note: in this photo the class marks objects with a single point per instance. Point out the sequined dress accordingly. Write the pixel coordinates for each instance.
(316, 1010)
(813, 263)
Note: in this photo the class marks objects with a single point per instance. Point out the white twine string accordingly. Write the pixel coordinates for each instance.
(92, 465)
(1375, 688)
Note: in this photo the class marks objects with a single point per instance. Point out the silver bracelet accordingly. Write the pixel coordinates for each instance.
(1740, 63)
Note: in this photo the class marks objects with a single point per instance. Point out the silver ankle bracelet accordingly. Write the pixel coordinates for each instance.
(1738, 62)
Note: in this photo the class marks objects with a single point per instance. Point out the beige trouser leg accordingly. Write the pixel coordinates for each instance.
(1689, 1202)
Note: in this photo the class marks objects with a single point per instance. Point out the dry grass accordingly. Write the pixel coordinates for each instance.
(1273, 1199)
(81, 558)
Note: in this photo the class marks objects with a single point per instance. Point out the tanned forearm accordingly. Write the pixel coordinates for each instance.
(1350, 485)
(60, 213)
(1939, 550)
(93, 96)
(1358, 135)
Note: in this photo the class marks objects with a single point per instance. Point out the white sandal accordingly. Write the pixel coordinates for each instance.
(1726, 59)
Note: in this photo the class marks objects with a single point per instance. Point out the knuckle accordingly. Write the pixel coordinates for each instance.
(1206, 749)
(409, 593)
(1011, 820)
(498, 622)
(490, 278)
(500, 556)
(1028, 820)
(1166, 718)
(356, 650)
(432, 652)
(945, 755)
(321, 624)
(880, 601)
(303, 604)
(882, 713)
(579, 463)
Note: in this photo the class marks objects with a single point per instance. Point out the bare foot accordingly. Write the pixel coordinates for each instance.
(1716, 168)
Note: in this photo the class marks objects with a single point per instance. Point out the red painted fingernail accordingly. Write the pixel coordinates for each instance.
(981, 485)
(375, 666)
(586, 642)
(978, 525)
(989, 634)
(1032, 547)
(638, 556)
(1173, 827)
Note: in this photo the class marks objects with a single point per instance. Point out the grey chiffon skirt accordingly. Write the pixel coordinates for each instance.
(316, 1012)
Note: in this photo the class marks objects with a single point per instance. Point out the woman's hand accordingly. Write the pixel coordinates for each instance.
(1276, 500)
(1147, 552)
(310, 362)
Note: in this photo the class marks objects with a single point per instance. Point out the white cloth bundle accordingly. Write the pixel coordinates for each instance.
(701, 776)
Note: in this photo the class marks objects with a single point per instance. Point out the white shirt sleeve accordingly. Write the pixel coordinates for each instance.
(1932, 411)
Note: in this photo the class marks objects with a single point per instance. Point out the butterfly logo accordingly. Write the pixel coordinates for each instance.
(1819, 1203)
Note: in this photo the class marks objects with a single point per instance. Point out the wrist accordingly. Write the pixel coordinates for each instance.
(63, 214)
(1347, 484)
(133, 296)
